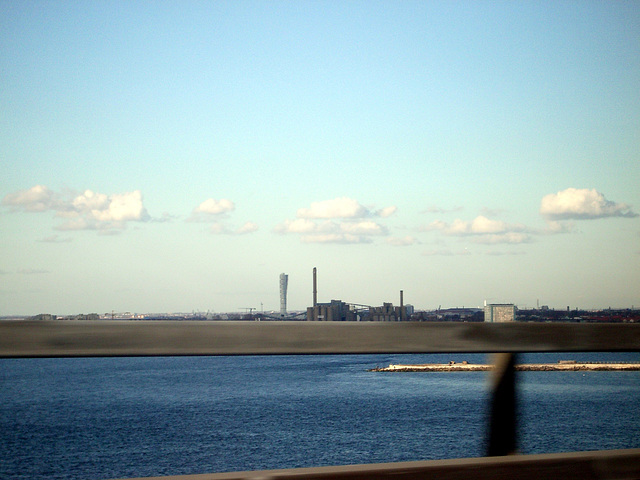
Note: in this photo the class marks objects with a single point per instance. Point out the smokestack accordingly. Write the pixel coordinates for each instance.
(315, 287)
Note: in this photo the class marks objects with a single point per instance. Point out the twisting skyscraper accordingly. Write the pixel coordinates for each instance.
(284, 280)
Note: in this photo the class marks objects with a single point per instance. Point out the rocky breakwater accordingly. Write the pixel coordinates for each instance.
(561, 366)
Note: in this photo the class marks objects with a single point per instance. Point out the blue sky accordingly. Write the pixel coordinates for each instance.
(178, 156)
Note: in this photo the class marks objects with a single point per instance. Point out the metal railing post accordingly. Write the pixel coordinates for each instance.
(502, 423)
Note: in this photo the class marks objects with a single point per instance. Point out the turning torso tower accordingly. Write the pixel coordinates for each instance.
(284, 280)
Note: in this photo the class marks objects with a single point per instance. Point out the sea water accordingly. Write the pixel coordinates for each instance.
(99, 418)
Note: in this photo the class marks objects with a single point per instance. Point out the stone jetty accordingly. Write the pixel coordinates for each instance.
(561, 366)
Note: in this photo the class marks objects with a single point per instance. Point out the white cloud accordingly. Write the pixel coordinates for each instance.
(335, 238)
(87, 211)
(445, 252)
(34, 199)
(332, 232)
(436, 209)
(97, 211)
(300, 225)
(219, 228)
(508, 237)
(363, 228)
(482, 224)
(341, 220)
(218, 209)
(582, 204)
(492, 212)
(166, 217)
(342, 207)
(111, 231)
(555, 227)
(402, 242)
(479, 226)
(77, 224)
(337, 208)
(386, 211)
(122, 207)
(248, 227)
(344, 221)
(483, 230)
(89, 201)
(212, 206)
(55, 239)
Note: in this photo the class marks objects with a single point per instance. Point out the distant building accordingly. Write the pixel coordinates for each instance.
(47, 317)
(335, 311)
(457, 314)
(83, 316)
(284, 281)
(500, 312)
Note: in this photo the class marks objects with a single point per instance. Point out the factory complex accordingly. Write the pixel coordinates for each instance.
(341, 311)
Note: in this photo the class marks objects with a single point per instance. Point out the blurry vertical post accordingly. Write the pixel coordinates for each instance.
(502, 421)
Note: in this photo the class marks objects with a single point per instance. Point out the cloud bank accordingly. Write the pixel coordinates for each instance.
(483, 230)
(333, 232)
(582, 204)
(559, 210)
(35, 199)
(344, 220)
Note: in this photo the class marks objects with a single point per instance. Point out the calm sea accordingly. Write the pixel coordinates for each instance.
(99, 418)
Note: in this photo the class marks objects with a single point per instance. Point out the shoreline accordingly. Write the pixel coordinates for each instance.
(561, 366)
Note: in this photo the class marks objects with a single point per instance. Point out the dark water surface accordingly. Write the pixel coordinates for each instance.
(99, 418)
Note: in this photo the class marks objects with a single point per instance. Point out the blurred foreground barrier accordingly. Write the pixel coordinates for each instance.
(149, 338)
(613, 464)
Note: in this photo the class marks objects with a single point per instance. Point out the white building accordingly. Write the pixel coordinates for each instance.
(499, 312)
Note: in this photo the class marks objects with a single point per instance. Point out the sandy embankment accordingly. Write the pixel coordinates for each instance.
(564, 366)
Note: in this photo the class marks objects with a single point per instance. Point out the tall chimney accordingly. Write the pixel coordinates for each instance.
(315, 288)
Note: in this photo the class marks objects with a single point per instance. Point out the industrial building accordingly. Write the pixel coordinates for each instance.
(335, 311)
(499, 312)
(387, 313)
(339, 311)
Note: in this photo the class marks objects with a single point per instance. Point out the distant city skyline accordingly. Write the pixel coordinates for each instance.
(176, 157)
